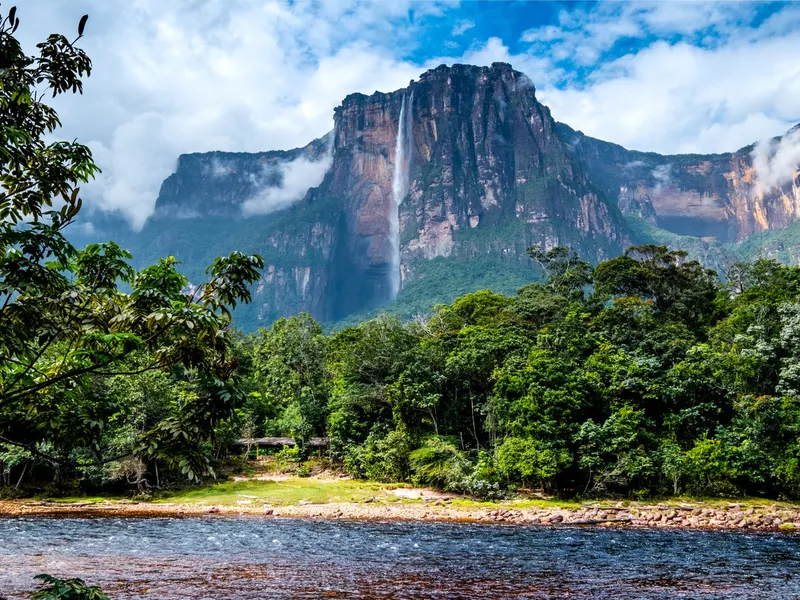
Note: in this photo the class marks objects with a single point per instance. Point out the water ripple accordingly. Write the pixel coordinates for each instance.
(243, 559)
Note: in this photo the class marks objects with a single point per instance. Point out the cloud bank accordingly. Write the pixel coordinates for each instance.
(297, 177)
(777, 162)
(254, 75)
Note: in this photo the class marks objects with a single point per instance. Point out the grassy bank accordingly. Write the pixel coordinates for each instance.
(282, 492)
(338, 498)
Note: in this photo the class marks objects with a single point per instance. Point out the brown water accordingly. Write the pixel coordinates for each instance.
(246, 558)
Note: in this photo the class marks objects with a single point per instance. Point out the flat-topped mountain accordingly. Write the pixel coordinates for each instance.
(438, 188)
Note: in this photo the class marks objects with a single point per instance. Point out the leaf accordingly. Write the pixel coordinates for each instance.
(82, 24)
(12, 14)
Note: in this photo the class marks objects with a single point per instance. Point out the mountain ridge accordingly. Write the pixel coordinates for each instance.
(487, 172)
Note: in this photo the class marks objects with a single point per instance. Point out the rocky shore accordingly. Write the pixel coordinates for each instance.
(731, 516)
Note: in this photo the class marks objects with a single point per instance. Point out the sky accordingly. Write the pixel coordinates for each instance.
(180, 76)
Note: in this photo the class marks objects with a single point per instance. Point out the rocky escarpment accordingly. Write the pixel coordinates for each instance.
(486, 158)
(485, 174)
(218, 184)
(715, 196)
(483, 158)
(452, 177)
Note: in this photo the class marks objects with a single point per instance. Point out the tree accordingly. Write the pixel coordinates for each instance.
(289, 363)
(566, 273)
(64, 317)
(681, 289)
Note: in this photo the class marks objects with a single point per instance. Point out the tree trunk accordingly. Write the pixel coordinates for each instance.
(435, 425)
(474, 427)
(24, 468)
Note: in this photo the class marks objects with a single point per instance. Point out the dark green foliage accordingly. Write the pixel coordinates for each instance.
(71, 321)
(66, 589)
(645, 375)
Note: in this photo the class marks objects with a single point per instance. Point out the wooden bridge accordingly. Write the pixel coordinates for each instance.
(280, 442)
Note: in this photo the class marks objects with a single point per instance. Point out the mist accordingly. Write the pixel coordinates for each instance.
(776, 161)
(297, 177)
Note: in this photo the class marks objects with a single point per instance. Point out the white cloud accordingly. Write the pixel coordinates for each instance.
(678, 97)
(235, 75)
(297, 177)
(777, 162)
(723, 85)
(662, 173)
(221, 168)
(462, 26)
(254, 75)
(585, 36)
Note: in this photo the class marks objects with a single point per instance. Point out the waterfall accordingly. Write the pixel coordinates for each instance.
(400, 183)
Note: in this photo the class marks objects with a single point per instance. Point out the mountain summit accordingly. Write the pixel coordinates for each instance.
(439, 188)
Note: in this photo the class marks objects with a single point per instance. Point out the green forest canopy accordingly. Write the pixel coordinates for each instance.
(644, 375)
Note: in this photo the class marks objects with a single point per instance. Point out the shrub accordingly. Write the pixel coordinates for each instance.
(66, 589)
(528, 461)
(439, 463)
(385, 458)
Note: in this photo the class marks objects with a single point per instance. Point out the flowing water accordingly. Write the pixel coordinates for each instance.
(400, 182)
(244, 558)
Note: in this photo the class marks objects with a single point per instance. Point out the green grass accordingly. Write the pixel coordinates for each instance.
(520, 503)
(74, 499)
(286, 492)
(320, 491)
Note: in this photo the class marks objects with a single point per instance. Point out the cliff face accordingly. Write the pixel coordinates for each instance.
(481, 155)
(451, 178)
(478, 170)
(217, 184)
(710, 196)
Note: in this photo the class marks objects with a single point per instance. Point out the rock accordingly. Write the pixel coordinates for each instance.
(213, 510)
(268, 511)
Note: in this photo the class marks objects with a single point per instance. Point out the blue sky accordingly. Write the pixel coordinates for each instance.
(247, 75)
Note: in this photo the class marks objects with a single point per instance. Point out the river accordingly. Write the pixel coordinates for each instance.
(248, 558)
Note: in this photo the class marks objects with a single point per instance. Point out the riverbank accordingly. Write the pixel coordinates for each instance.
(345, 499)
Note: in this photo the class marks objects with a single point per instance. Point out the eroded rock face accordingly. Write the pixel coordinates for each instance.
(715, 196)
(217, 184)
(486, 154)
(483, 155)
(489, 173)
(484, 158)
